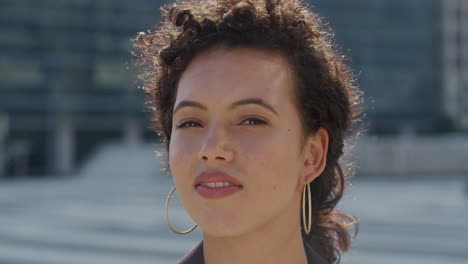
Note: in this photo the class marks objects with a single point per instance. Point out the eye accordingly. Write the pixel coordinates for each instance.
(189, 123)
(254, 121)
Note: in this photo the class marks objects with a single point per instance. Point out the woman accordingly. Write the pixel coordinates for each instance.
(254, 104)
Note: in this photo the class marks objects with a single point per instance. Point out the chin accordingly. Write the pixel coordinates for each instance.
(222, 225)
(222, 231)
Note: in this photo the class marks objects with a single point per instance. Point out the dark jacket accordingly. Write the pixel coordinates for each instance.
(195, 256)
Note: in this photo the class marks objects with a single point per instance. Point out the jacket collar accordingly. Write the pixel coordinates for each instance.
(195, 256)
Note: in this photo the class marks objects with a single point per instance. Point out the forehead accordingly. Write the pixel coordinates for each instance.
(225, 74)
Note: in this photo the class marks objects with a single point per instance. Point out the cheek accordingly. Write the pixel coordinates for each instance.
(256, 151)
(182, 147)
(271, 163)
(270, 158)
(180, 154)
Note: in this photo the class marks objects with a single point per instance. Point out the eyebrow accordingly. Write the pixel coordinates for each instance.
(257, 101)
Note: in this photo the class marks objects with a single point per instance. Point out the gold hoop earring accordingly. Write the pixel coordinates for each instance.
(307, 223)
(167, 216)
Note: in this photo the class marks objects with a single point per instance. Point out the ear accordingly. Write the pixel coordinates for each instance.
(315, 156)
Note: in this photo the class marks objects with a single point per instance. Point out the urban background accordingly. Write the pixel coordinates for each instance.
(80, 181)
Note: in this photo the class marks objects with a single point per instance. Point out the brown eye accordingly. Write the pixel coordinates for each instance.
(255, 121)
(188, 124)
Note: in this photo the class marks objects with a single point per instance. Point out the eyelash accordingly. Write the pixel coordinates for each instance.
(183, 125)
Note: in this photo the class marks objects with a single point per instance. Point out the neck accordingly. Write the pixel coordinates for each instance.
(279, 241)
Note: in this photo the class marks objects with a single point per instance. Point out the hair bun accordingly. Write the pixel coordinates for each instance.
(240, 16)
(178, 17)
(208, 26)
(243, 10)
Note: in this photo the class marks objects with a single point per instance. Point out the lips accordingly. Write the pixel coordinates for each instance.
(216, 179)
(216, 185)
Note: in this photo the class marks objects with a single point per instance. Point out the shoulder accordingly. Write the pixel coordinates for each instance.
(194, 256)
(312, 256)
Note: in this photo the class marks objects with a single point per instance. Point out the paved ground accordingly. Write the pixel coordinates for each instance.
(120, 219)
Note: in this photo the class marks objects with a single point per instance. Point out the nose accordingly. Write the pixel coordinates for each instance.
(215, 146)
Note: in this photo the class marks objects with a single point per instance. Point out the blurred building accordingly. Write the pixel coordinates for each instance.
(65, 81)
(66, 86)
(454, 60)
(411, 58)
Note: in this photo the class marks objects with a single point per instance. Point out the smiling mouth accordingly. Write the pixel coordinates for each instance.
(217, 190)
(217, 184)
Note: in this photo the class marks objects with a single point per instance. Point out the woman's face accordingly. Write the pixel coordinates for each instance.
(242, 122)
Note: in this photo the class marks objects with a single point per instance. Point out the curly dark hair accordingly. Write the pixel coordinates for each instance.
(326, 93)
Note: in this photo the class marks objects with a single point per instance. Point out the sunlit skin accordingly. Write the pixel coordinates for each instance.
(260, 147)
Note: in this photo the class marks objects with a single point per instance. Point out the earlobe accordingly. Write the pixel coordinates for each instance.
(316, 155)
